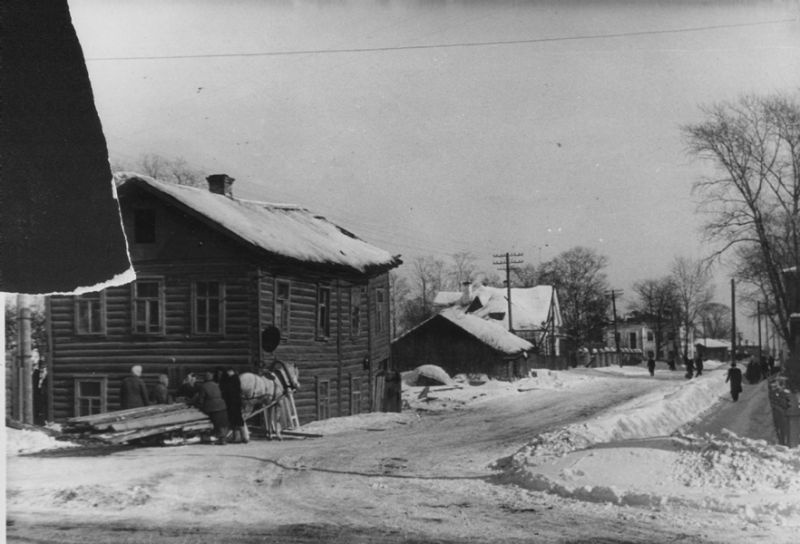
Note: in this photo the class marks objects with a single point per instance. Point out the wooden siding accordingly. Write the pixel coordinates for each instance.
(340, 359)
(440, 342)
(187, 250)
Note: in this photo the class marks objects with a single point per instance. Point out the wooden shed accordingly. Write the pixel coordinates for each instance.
(212, 272)
(460, 342)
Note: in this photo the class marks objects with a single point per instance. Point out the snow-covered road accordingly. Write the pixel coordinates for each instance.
(473, 463)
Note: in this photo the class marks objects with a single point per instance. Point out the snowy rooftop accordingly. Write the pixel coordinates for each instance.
(490, 333)
(286, 230)
(712, 343)
(530, 306)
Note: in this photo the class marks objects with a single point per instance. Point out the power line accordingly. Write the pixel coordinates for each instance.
(438, 45)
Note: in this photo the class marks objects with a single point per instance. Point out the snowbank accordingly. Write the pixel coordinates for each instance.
(624, 456)
(461, 393)
(24, 441)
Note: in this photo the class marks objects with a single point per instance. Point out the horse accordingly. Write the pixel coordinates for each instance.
(267, 393)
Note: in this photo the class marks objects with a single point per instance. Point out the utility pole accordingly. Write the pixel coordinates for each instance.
(614, 293)
(733, 321)
(508, 262)
(25, 383)
(758, 317)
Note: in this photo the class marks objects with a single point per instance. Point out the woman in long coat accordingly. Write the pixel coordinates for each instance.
(232, 393)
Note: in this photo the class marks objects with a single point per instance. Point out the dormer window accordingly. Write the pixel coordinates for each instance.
(499, 316)
(144, 226)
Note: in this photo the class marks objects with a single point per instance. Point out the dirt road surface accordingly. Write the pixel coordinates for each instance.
(422, 478)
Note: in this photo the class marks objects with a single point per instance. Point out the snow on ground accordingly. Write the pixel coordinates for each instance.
(635, 455)
(20, 441)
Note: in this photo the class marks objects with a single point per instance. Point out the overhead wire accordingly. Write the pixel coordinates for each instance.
(438, 45)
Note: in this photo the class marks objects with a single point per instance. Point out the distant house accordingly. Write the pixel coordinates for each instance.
(212, 272)
(710, 348)
(535, 312)
(461, 342)
(638, 335)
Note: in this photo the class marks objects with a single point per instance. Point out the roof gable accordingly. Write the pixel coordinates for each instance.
(281, 229)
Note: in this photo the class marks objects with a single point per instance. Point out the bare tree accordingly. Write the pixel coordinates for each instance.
(175, 170)
(463, 268)
(577, 274)
(754, 204)
(656, 304)
(524, 276)
(716, 321)
(693, 292)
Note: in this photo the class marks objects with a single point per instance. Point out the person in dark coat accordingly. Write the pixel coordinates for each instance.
(188, 389)
(209, 400)
(231, 389)
(132, 392)
(698, 364)
(651, 365)
(689, 368)
(161, 392)
(735, 378)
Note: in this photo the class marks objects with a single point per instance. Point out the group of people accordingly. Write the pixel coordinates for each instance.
(219, 396)
(694, 367)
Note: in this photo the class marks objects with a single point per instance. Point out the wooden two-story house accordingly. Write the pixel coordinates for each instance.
(212, 271)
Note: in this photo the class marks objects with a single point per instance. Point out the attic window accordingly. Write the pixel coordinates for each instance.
(499, 316)
(144, 226)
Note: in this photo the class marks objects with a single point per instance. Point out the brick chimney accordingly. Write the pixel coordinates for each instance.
(221, 184)
(465, 293)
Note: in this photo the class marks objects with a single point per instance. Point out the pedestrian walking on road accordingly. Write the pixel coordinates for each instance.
(133, 392)
(698, 365)
(689, 367)
(735, 378)
(651, 365)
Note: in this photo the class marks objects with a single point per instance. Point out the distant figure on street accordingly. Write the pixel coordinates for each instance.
(735, 378)
(671, 362)
(753, 372)
(132, 392)
(651, 364)
(771, 365)
(698, 364)
(161, 393)
(689, 367)
(209, 400)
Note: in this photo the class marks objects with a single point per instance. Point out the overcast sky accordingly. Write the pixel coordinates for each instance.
(434, 127)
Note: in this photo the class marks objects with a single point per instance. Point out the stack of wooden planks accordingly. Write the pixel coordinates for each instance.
(136, 423)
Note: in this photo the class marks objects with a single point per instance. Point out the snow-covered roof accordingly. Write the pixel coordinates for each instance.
(712, 343)
(282, 229)
(530, 306)
(490, 333)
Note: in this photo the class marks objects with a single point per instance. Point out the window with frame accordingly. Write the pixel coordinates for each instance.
(649, 336)
(380, 310)
(355, 311)
(90, 395)
(90, 313)
(632, 340)
(323, 399)
(283, 295)
(208, 307)
(323, 312)
(355, 395)
(144, 226)
(148, 306)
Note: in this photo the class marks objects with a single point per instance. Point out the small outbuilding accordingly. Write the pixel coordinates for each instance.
(460, 342)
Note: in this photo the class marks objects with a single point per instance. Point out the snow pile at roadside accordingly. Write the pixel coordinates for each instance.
(25, 441)
(738, 463)
(751, 479)
(461, 393)
(655, 414)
